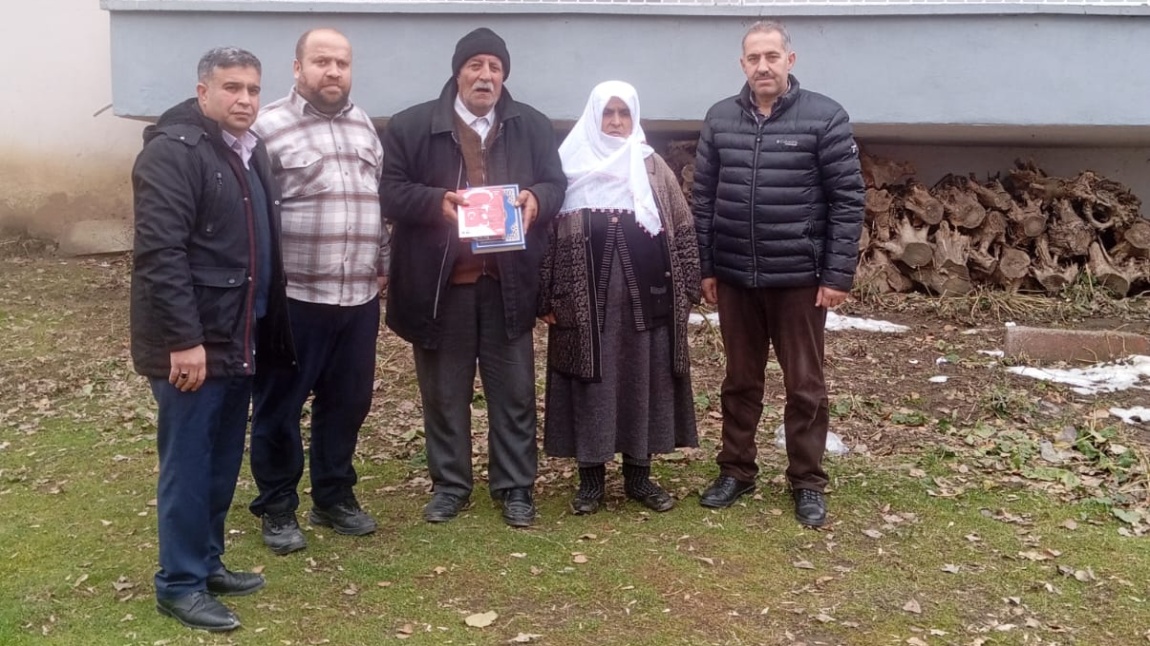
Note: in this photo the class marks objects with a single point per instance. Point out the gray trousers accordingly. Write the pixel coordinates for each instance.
(472, 330)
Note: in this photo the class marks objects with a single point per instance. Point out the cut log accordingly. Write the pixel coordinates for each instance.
(1027, 180)
(879, 173)
(992, 231)
(922, 204)
(1114, 278)
(1103, 203)
(688, 177)
(877, 274)
(1026, 218)
(961, 207)
(947, 274)
(679, 153)
(1051, 275)
(909, 245)
(864, 240)
(985, 242)
(1013, 267)
(1133, 242)
(992, 195)
(878, 200)
(1069, 234)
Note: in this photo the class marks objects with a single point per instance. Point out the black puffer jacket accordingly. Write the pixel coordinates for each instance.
(194, 252)
(778, 201)
(422, 160)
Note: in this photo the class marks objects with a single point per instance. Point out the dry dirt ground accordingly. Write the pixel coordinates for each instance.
(882, 402)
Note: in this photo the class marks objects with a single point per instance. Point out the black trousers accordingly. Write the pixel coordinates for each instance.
(751, 321)
(473, 332)
(335, 348)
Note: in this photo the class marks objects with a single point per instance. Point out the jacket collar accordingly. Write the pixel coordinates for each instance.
(443, 117)
(747, 101)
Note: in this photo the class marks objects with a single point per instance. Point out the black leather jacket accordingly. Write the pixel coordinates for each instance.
(778, 201)
(422, 160)
(194, 251)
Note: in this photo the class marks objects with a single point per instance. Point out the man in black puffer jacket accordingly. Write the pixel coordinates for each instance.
(457, 308)
(778, 204)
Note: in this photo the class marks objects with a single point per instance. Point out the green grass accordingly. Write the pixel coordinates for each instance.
(980, 556)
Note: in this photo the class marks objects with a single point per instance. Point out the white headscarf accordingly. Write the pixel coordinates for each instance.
(605, 172)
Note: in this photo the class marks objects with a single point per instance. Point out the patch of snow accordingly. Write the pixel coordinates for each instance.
(993, 353)
(938, 379)
(1136, 415)
(697, 319)
(835, 322)
(838, 322)
(1099, 378)
(835, 445)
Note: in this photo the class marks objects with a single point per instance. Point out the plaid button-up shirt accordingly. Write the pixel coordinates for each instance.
(335, 245)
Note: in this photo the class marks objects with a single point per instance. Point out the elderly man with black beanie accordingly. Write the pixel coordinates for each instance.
(459, 309)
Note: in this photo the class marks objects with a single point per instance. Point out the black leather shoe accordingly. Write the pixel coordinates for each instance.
(656, 500)
(518, 507)
(199, 610)
(225, 583)
(724, 491)
(443, 507)
(810, 507)
(584, 506)
(281, 532)
(345, 518)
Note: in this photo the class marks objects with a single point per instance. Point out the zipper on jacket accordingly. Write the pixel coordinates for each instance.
(754, 189)
(249, 209)
(447, 246)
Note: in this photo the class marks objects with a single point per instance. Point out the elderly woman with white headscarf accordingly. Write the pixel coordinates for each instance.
(619, 279)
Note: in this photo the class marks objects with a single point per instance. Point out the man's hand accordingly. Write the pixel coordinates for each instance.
(451, 202)
(530, 206)
(382, 284)
(830, 298)
(189, 369)
(549, 318)
(711, 291)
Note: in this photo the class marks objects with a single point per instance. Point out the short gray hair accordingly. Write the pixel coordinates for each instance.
(766, 27)
(223, 57)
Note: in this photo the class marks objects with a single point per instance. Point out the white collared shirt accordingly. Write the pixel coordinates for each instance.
(481, 125)
(244, 146)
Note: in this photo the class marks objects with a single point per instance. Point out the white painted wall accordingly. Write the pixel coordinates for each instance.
(59, 161)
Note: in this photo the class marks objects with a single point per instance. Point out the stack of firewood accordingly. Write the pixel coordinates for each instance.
(1026, 230)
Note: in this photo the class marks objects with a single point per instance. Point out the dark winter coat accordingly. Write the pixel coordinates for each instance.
(194, 252)
(778, 201)
(569, 293)
(422, 161)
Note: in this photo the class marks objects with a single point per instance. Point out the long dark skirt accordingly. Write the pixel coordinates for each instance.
(639, 408)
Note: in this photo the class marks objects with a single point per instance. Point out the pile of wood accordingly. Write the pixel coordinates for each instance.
(1026, 231)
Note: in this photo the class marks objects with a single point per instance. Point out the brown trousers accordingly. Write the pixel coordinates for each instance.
(751, 321)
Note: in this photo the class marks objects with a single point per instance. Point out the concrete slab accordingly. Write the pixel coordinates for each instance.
(93, 237)
(1090, 346)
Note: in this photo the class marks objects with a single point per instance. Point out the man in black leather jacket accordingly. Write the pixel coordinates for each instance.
(457, 308)
(207, 294)
(778, 204)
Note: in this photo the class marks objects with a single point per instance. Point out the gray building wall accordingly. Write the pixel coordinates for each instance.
(954, 86)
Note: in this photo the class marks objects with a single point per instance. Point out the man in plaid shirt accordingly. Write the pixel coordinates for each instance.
(326, 156)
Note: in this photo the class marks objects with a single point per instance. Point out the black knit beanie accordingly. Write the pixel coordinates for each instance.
(480, 41)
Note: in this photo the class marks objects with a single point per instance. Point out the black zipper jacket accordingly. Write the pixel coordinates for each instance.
(194, 252)
(778, 201)
(422, 161)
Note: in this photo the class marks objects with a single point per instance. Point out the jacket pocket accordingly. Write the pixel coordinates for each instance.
(301, 174)
(220, 297)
